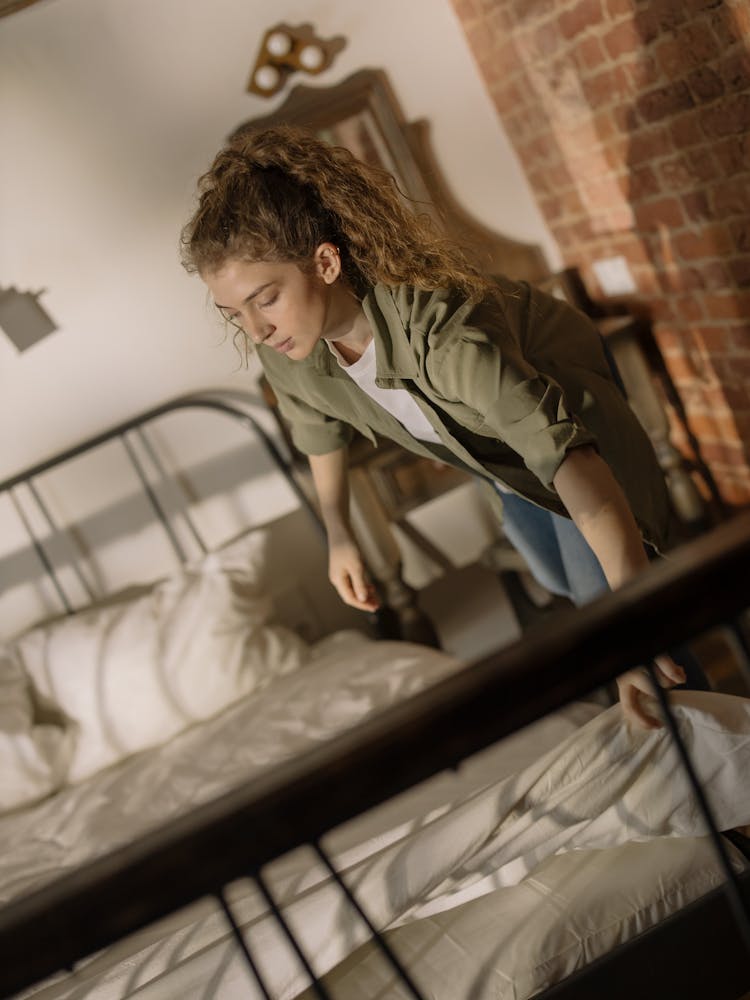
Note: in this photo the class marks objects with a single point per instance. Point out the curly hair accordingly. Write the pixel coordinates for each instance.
(279, 193)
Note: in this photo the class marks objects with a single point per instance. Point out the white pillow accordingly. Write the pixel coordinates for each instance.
(133, 674)
(34, 750)
(517, 941)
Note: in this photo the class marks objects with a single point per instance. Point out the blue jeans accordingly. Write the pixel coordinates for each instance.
(559, 558)
(556, 552)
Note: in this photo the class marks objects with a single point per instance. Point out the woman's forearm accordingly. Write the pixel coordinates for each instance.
(331, 479)
(597, 504)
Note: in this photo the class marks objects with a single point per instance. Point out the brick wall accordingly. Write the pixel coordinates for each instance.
(632, 121)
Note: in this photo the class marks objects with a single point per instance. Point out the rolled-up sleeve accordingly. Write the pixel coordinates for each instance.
(523, 407)
(313, 433)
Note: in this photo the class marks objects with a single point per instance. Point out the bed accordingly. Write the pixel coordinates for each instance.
(199, 800)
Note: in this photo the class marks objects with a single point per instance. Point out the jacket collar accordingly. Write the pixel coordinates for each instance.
(394, 355)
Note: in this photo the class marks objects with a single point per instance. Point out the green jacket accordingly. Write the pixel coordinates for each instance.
(510, 384)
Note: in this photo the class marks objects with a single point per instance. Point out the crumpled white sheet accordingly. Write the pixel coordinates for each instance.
(600, 786)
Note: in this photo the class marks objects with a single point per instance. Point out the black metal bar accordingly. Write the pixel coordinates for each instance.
(242, 944)
(184, 512)
(379, 939)
(151, 494)
(315, 982)
(740, 905)
(231, 405)
(44, 559)
(300, 799)
(38, 500)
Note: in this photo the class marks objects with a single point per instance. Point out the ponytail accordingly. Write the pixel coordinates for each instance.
(278, 194)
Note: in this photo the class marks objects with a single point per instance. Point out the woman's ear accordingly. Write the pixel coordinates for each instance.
(327, 262)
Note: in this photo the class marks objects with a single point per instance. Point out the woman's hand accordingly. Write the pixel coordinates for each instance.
(347, 573)
(635, 687)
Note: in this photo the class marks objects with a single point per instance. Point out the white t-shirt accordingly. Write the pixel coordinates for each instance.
(397, 402)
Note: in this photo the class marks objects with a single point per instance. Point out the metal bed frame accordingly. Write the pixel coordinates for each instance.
(702, 951)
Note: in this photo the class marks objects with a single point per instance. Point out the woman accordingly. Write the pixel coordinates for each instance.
(365, 317)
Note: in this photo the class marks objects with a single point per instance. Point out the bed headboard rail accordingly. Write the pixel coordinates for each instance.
(25, 496)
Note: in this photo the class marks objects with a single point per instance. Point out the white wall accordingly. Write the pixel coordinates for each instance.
(109, 110)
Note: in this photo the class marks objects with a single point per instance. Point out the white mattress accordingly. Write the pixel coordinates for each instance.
(433, 865)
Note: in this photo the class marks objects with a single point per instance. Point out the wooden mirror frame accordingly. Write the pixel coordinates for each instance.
(363, 114)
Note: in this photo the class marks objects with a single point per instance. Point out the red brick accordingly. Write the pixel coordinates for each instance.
(634, 251)
(715, 276)
(690, 307)
(665, 211)
(733, 154)
(572, 204)
(669, 14)
(740, 271)
(507, 93)
(642, 183)
(547, 39)
(681, 366)
(698, 6)
(663, 310)
(731, 197)
(626, 118)
(716, 426)
(687, 130)
(729, 306)
(740, 230)
(676, 174)
(699, 44)
(740, 16)
(649, 144)
(703, 165)
(664, 102)
(735, 69)
(623, 39)
(583, 232)
(724, 28)
(729, 117)
(705, 84)
(670, 58)
(605, 126)
(607, 86)
(559, 176)
(715, 339)
(500, 20)
(740, 336)
(527, 12)
(481, 43)
(647, 282)
(619, 8)
(696, 205)
(643, 72)
(540, 149)
(589, 53)
(691, 245)
(551, 208)
(721, 453)
(585, 14)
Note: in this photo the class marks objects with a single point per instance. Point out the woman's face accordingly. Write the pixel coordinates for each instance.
(278, 304)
